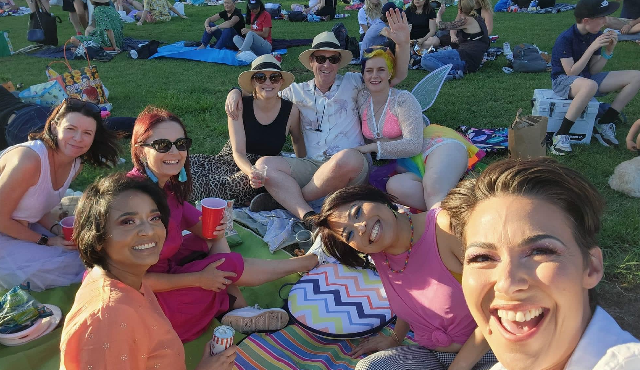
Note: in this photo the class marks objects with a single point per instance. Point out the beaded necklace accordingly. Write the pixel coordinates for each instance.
(406, 261)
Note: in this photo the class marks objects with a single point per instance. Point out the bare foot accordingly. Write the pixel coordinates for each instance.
(203, 46)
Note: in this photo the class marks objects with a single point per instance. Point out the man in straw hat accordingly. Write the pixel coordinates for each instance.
(330, 125)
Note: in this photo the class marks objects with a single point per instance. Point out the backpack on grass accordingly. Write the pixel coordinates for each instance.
(526, 58)
(296, 16)
(346, 42)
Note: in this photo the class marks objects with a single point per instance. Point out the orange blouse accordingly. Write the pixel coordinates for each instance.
(114, 326)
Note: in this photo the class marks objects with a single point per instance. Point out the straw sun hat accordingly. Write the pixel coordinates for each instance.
(264, 63)
(325, 41)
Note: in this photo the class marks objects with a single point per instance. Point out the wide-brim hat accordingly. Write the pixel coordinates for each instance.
(325, 41)
(264, 63)
(595, 8)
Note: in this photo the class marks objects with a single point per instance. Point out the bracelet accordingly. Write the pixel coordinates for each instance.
(395, 337)
(605, 55)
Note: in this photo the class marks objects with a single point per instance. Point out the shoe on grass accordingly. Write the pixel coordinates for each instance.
(255, 319)
(264, 202)
(561, 145)
(606, 134)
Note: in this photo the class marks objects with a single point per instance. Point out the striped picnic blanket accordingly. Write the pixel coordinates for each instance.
(296, 348)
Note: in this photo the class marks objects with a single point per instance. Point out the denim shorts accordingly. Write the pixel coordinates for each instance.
(27, 120)
(562, 84)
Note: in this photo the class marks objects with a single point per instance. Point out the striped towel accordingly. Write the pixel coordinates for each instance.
(296, 348)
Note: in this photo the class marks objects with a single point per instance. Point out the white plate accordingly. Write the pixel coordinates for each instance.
(42, 327)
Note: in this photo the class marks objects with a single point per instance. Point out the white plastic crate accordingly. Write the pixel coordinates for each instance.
(547, 103)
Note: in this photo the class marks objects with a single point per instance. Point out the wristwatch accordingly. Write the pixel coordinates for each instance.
(43, 240)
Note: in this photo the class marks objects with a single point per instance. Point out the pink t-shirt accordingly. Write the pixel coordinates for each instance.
(425, 294)
(263, 21)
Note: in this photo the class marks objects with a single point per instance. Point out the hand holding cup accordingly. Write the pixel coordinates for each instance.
(258, 176)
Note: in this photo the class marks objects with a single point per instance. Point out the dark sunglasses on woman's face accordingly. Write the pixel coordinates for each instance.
(77, 104)
(164, 145)
(321, 59)
(262, 77)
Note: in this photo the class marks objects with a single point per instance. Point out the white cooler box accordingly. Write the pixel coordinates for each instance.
(547, 103)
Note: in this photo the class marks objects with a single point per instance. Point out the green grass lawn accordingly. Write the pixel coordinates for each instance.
(196, 91)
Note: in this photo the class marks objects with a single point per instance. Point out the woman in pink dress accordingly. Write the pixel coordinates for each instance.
(196, 279)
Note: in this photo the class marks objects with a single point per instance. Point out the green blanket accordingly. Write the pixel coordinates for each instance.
(44, 354)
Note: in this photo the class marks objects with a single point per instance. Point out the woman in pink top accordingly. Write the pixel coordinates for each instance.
(192, 277)
(418, 259)
(115, 321)
(431, 160)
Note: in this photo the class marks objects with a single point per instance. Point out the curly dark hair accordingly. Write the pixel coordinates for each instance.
(333, 243)
(92, 214)
(104, 150)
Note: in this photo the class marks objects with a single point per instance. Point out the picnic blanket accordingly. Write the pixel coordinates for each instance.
(491, 140)
(289, 43)
(210, 55)
(296, 348)
(57, 52)
(44, 353)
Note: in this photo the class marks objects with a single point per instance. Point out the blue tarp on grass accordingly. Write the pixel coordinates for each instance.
(179, 51)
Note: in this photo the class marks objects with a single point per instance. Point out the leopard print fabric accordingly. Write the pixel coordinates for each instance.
(218, 176)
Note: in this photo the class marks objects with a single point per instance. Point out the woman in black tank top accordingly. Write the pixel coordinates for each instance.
(473, 41)
(262, 130)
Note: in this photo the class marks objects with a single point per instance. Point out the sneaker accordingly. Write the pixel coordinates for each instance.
(561, 145)
(606, 134)
(318, 249)
(264, 202)
(253, 319)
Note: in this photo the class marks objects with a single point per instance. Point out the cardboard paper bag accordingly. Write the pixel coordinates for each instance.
(527, 137)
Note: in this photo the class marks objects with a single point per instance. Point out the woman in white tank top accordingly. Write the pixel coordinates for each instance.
(34, 177)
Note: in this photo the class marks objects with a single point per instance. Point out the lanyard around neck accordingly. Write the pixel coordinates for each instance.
(377, 134)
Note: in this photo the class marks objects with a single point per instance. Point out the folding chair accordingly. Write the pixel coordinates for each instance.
(427, 90)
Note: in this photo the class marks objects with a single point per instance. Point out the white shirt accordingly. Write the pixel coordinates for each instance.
(603, 346)
(330, 121)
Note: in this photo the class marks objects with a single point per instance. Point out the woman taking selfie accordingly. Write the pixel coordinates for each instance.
(531, 263)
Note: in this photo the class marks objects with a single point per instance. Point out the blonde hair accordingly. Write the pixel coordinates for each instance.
(383, 53)
(373, 10)
(468, 7)
(485, 5)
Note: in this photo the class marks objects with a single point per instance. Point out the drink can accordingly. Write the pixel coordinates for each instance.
(222, 339)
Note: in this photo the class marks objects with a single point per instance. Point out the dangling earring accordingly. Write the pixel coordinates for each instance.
(150, 174)
(183, 175)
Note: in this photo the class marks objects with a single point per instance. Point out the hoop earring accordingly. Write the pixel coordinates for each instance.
(183, 175)
(150, 174)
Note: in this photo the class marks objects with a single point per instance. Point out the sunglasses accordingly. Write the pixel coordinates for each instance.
(321, 59)
(262, 77)
(374, 48)
(78, 105)
(164, 145)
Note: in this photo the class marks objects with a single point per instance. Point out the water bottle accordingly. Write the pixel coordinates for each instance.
(134, 54)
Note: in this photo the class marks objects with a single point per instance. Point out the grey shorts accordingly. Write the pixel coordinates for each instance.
(303, 169)
(562, 84)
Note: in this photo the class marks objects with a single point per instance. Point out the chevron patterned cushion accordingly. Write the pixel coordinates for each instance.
(336, 301)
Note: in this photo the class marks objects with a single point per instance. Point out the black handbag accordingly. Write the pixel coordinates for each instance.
(43, 27)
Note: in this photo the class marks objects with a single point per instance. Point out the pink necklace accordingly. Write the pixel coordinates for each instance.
(406, 261)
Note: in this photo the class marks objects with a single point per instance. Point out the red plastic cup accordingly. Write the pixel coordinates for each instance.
(212, 213)
(67, 227)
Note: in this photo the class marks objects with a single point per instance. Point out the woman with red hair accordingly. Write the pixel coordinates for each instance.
(196, 279)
